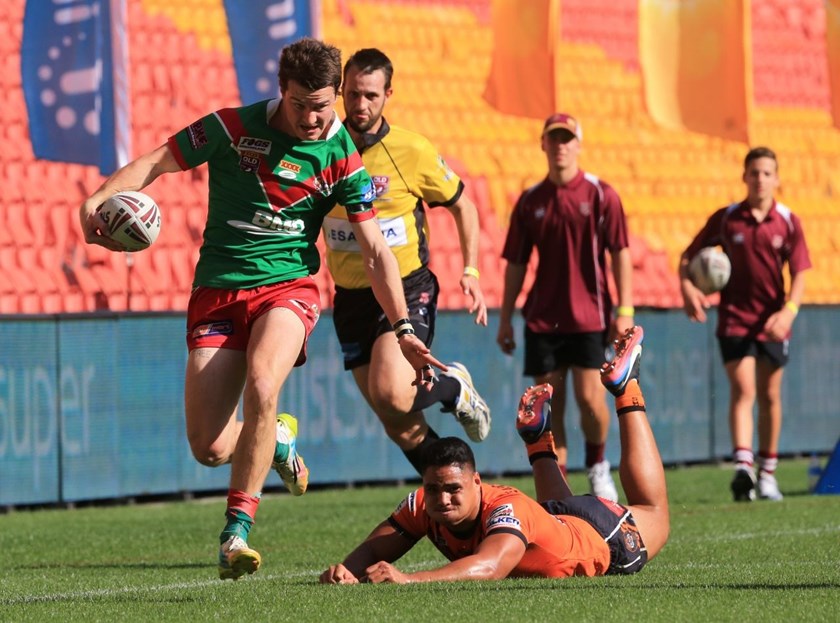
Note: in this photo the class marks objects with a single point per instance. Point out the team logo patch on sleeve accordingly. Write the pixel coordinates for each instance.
(447, 172)
(501, 511)
(409, 501)
(506, 521)
(197, 135)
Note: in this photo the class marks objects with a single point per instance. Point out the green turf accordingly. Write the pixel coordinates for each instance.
(762, 561)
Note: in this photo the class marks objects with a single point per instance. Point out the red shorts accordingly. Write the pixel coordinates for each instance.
(219, 318)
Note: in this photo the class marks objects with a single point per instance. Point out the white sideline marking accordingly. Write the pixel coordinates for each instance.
(755, 535)
(133, 590)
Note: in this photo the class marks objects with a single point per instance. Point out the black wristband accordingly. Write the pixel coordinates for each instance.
(402, 322)
(403, 327)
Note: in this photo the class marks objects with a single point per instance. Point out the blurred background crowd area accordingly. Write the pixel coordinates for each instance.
(181, 67)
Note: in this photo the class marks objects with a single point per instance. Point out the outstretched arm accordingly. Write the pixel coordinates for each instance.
(494, 559)
(622, 266)
(384, 274)
(466, 220)
(383, 544)
(514, 278)
(136, 175)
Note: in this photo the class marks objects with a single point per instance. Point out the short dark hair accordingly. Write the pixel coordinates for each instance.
(447, 451)
(311, 63)
(368, 60)
(760, 152)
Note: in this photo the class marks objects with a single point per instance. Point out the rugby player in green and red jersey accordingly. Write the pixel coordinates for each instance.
(276, 168)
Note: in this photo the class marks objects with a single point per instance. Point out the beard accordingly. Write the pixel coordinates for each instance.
(364, 127)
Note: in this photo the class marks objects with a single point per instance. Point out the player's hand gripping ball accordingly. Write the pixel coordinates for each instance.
(132, 218)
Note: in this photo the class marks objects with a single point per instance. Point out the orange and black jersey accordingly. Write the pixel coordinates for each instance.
(556, 545)
(407, 171)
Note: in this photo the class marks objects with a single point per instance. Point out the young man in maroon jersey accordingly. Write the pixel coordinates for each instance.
(574, 220)
(755, 317)
(277, 167)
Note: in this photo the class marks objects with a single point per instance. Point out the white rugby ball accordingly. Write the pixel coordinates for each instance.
(709, 270)
(133, 219)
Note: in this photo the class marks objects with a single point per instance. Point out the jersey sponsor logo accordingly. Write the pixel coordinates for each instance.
(249, 162)
(507, 521)
(222, 327)
(381, 183)
(252, 144)
(268, 224)
(288, 170)
(339, 236)
(197, 135)
(501, 511)
(291, 166)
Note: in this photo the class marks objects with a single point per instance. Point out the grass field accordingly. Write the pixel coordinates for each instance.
(763, 561)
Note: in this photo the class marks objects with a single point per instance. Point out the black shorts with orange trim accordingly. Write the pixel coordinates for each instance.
(612, 521)
(359, 319)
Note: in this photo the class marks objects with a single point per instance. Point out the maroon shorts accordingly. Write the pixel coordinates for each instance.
(219, 318)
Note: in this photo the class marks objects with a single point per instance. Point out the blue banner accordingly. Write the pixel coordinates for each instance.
(73, 66)
(259, 29)
(93, 407)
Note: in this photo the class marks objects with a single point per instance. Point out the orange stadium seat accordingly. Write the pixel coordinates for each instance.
(669, 180)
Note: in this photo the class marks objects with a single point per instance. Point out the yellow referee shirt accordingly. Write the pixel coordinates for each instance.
(407, 171)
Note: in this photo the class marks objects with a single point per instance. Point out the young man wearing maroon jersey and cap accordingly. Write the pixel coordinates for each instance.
(759, 235)
(573, 219)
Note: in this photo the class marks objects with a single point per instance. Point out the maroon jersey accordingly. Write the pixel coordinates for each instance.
(757, 252)
(572, 227)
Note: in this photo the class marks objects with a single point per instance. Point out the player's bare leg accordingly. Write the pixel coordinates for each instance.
(386, 385)
(742, 393)
(557, 380)
(595, 423)
(769, 393)
(533, 423)
(641, 472)
(212, 388)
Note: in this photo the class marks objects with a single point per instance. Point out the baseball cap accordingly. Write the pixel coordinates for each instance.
(562, 121)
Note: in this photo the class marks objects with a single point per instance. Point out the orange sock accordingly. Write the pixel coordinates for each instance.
(631, 400)
(542, 448)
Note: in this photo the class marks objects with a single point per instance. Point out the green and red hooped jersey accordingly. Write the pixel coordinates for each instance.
(269, 194)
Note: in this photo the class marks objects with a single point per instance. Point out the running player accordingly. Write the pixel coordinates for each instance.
(492, 531)
(407, 172)
(276, 168)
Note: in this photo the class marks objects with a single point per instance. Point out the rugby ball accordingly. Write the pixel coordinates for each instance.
(132, 218)
(709, 270)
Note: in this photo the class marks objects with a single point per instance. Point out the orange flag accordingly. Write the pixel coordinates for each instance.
(832, 44)
(697, 65)
(522, 72)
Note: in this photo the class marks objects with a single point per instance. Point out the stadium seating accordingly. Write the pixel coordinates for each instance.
(669, 181)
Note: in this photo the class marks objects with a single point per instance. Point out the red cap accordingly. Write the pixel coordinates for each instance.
(562, 121)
